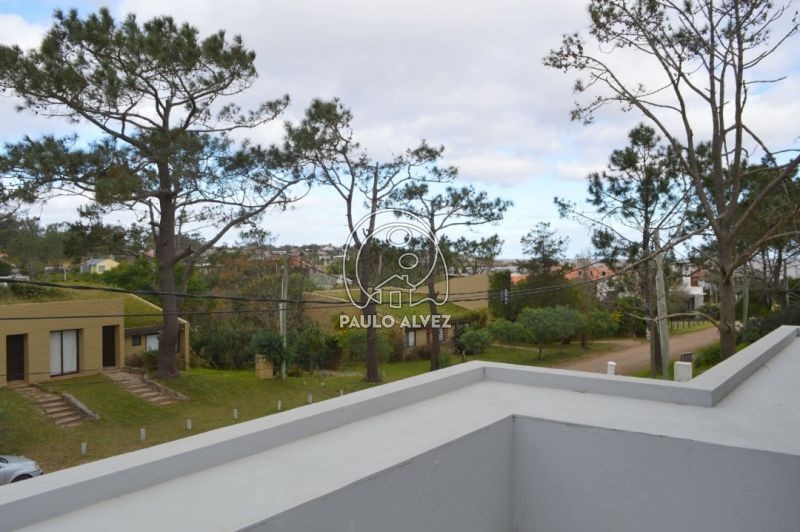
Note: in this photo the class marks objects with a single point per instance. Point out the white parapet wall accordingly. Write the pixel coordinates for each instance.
(478, 446)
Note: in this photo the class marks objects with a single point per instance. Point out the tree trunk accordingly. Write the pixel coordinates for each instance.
(434, 310)
(727, 302)
(166, 253)
(371, 313)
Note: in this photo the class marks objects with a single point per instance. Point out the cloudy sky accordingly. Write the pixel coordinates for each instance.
(465, 74)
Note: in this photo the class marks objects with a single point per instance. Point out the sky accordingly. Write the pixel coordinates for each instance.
(461, 73)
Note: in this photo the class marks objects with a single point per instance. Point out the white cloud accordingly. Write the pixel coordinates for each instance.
(467, 75)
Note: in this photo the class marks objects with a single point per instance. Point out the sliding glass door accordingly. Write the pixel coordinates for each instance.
(63, 352)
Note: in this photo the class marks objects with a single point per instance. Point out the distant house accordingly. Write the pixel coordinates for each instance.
(51, 339)
(98, 265)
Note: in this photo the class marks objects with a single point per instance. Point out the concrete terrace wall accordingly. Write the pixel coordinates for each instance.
(464, 486)
(569, 477)
(708, 460)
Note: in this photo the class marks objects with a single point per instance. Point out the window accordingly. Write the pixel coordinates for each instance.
(136, 340)
(101, 269)
(151, 342)
(411, 338)
(63, 352)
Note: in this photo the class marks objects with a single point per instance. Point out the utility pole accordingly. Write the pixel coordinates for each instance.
(283, 306)
(661, 306)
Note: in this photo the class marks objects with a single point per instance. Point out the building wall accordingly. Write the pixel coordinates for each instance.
(467, 286)
(571, 477)
(59, 316)
(458, 487)
(183, 351)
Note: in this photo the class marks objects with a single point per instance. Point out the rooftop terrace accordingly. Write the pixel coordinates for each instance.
(476, 447)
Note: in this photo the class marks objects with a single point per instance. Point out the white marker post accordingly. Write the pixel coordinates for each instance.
(280, 405)
(83, 447)
(235, 413)
(341, 392)
(612, 368)
(142, 434)
(310, 399)
(188, 424)
(683, 371)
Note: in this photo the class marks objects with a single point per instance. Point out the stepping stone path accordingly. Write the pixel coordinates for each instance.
(54, 406)
(140, 387)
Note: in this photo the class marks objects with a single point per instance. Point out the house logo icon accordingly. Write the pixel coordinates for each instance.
(399, 268)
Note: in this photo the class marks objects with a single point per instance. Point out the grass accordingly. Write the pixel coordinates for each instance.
(132, 303)
(213, 394)
(694, 327)
(422, 309)
(551, 354)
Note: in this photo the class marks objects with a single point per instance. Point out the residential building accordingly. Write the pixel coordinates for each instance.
(98, 266)
(52, 339)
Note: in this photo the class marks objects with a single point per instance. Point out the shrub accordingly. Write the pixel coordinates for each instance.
(29, 291)
(474, 341)
(445, 358)
(134, 360)
(354, 345)
(270, 344)
(600, 323)
(707, 356)
(421, 352)
(540, 326)
(224, 343)
(502, 330)
(710, 309)
(763, 325)
(309, 345)
(150, 361)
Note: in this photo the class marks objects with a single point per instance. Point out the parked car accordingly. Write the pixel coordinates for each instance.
(15, 468)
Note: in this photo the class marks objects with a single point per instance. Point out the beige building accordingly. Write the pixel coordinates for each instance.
(98, 265)
(42, 341)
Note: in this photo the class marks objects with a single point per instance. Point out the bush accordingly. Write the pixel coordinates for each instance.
(354, 345)
(445, 358)
(710, 309)
(600, 323)
(134, 360)
(763, 325)
(29, 291)
(270, 344)
(224, 343)
(474, 341)
(707, 356)
(421, 352)
(540, 326)
(503, 330)
(150, 361)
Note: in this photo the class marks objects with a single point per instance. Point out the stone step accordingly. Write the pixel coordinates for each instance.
(57, 409)
(50, 401)
(69, 422)
(64, 414)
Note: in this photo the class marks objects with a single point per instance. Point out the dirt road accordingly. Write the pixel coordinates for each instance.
(635, 356)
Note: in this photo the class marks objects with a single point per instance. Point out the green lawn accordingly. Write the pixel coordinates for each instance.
(551, 354)
(213, 394)
(689, 327)
(134, 306)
